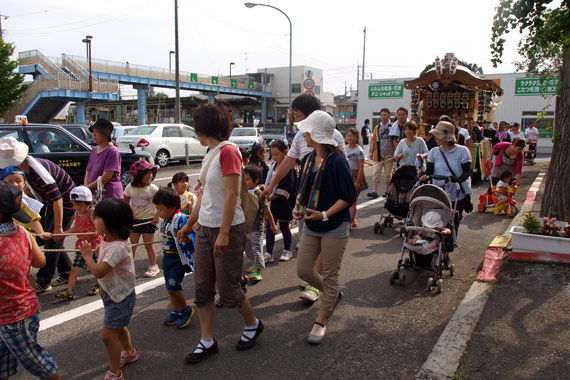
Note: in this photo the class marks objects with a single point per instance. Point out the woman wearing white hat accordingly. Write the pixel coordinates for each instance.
(453, 162)
(326, 191)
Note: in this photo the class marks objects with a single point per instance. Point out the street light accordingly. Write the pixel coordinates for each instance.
(231, 63)
(170, 61)
(251, 5)
(87, 42)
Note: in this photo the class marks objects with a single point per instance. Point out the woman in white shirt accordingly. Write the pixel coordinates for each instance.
(516, 132)
(220, 219)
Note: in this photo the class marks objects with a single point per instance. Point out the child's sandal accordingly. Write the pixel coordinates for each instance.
(64, 295)
(94, 291)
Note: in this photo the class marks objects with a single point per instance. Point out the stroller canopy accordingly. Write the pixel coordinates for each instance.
(430, 197)
(404, 178)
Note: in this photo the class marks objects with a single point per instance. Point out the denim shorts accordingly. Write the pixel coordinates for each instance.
(118, 314)
(19, 344)
(173, 271)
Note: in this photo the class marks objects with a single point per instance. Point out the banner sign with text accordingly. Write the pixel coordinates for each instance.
(533, 87)
(386, 90)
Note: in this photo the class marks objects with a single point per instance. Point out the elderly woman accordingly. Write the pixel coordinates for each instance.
(409, 148)
(509, 157)
(104, 161)
(453, 162)
(326, 191)
(221, 220)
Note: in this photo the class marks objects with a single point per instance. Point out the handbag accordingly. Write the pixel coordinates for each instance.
(468, 205)
(249, 201)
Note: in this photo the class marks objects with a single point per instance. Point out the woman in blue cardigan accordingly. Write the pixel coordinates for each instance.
(325, 193)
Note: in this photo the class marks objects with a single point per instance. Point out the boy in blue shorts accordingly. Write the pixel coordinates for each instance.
(177, 258)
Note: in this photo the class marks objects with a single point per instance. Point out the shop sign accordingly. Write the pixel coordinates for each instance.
(533, 86)
(386, 90)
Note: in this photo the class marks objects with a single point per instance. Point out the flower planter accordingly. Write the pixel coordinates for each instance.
(536, 247)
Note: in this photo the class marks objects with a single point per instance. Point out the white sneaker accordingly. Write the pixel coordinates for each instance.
(309, 294)
(152, 271)
(286, 255)
(268, 258)
(304, 284)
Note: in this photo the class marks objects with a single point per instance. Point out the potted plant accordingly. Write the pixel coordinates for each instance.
(546, 236)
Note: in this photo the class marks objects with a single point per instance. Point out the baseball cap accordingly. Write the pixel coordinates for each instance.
(82, 194)
(320, 125)
(11, 201)
(9, 170)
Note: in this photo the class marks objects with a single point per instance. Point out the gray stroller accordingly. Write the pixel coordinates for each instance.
(432, 255)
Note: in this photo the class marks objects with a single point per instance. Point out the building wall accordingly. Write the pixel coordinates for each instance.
(280, 82)
(512, 108)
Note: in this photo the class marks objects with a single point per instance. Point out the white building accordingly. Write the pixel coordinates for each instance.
(521, 101)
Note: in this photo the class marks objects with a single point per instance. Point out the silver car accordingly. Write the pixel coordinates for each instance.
(246, 137)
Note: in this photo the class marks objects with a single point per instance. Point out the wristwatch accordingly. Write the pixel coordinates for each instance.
(325, 218)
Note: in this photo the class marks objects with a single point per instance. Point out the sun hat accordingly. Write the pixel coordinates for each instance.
(9, 170)
(444, 130)
(142, 165)
(320, 125)
(82, 194)
(432, 219)
(12, 152)
(104, 126)
(11, 201)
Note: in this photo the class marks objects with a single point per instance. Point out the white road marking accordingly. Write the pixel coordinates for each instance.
(96, 305)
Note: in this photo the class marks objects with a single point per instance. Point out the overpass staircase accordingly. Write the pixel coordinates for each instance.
(57, 81)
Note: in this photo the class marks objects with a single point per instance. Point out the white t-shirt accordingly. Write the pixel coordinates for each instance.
(456, 157)
(299, 148)
(465, 133)
(353, 156)
(514, 136)
(141, 200)
(532, 133)
(228, 161)
(501, 196)
(119, 282)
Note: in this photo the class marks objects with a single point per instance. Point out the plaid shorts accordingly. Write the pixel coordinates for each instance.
(79, 261)
(19, 343)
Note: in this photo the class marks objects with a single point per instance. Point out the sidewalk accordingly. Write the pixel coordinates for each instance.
(523, 332)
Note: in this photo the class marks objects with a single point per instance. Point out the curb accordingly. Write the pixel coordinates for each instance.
(443, 361)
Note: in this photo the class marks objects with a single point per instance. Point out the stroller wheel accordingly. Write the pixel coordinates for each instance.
(382, 228)
(393, 277)
(407, 261)
(377, 228)
(451, 270)
(439, 284)
(402, 279)
(390, 222)
(429, 284)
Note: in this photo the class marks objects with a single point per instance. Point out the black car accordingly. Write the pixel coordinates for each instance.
(80, 131)
(65, 149)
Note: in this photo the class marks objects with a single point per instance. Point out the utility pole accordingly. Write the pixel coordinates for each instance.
(176, 63)
(357, 76)
(364, 53)
(2, 31)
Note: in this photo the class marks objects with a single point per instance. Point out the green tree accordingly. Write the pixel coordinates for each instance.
(545, 49)
(11, 83)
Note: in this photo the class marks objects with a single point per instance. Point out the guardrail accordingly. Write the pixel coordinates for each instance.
(120, 68)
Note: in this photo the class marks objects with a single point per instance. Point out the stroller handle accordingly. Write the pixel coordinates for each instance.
(422, 229)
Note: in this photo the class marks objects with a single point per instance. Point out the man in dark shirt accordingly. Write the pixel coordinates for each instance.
(365, 132)
(59, 216)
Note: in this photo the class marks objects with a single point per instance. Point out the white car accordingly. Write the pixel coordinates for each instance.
(246, 137)
(164, 142)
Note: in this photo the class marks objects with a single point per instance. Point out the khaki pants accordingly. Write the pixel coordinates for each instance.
(386, 162)
(332, 250)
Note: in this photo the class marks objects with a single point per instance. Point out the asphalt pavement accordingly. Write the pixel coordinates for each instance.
(379, 331)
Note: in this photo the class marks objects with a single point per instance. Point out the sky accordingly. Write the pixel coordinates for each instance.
(402, 36)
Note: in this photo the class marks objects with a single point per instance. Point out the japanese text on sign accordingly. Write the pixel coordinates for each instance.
(386, 90)
(533, 86)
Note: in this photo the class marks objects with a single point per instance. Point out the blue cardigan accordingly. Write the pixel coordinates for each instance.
(337, 184)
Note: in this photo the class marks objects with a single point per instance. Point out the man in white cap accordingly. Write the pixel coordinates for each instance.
(51, 185)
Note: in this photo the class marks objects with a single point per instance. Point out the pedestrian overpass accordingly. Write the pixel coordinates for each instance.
(58, 81)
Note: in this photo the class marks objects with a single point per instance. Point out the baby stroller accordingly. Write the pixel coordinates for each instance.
(402, 183)
(530, 153)
(428, 199)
